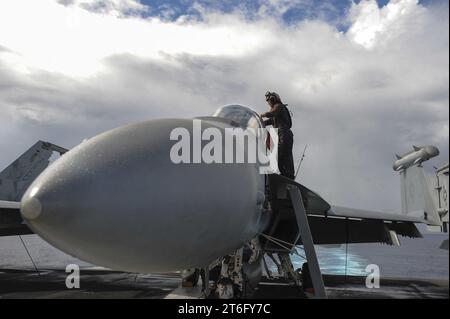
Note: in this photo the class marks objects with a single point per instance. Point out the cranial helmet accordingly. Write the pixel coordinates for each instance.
(272, 97)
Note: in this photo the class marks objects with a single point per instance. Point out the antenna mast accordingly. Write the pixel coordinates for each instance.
(301, 160)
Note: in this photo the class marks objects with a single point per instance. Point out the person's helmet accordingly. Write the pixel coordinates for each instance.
(272, 97)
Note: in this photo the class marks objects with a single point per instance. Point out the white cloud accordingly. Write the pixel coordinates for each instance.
(67, 73)
(370, 24)
(111, 7)
(73, 41)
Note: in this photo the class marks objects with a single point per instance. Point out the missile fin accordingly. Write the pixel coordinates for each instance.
(416, 148)
(398, 156)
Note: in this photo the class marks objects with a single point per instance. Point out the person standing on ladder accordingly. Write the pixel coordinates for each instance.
(280, 118)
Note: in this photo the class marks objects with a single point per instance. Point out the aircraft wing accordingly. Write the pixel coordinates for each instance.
(7, 205)
(11, 223)
(340, 225)
(339, 211)
(332, 225)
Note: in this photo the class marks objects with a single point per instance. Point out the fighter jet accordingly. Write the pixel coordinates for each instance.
(119, 201)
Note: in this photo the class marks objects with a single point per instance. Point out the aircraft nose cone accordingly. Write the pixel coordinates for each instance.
(31, 208)
(119, 201)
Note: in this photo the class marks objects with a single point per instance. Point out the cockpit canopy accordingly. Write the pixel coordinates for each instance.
(243, 116)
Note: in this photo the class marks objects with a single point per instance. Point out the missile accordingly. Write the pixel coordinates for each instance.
(119, 201)
(415, 157)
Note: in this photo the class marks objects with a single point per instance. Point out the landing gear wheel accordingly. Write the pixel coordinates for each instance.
(191, 280)
(225, 289)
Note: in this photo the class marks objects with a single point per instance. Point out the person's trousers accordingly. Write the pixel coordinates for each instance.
(285, 158)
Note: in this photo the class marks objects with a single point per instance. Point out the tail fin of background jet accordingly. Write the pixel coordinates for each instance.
(416, 195)
(423, 195)
(15, 179)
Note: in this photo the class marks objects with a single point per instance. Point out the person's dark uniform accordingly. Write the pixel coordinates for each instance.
(280, 118)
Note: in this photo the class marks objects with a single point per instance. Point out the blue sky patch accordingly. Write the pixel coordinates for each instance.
(332, 11)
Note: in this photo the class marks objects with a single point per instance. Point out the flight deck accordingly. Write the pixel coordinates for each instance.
(101, 284)
(417, 269)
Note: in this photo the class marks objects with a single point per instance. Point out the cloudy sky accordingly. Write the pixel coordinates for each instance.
(364, 79)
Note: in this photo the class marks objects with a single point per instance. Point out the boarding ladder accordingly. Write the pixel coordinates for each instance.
(290, 225)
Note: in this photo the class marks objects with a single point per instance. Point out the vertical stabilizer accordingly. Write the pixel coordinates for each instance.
(416, 192)
(15, 179)
(419, 192)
